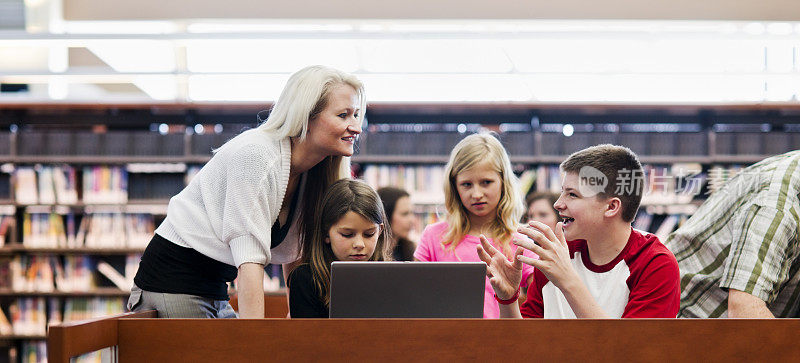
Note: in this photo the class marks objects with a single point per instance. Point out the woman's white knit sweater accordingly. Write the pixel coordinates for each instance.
(228, 209)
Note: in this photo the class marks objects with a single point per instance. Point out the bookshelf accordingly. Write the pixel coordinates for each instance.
(78, 203)
(154, 149)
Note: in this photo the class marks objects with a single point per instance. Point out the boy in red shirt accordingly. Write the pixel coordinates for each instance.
(594, 265)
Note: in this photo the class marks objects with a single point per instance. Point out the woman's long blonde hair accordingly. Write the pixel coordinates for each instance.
(345, 195)
(468, 153)
(305, 96)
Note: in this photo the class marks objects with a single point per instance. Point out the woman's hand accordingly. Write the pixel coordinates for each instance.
(504, 275)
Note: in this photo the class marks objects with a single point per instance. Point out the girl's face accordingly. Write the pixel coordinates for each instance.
(480, 189)
(353, 237)
(542, 211)
(402, 220)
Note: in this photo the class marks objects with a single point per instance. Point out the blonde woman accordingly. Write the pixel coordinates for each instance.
(482, 200)
(251, 203)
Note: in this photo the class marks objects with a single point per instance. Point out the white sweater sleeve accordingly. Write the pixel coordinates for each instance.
(252, 178)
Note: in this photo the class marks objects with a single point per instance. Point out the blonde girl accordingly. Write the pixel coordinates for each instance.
(482, 198)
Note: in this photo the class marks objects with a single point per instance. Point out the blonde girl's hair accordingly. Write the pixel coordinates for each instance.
(345, 195)
(468, 153)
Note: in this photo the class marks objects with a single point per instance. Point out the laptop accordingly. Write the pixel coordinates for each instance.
(407, 289)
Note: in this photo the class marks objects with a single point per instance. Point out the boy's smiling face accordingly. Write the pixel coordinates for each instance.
(583, 215)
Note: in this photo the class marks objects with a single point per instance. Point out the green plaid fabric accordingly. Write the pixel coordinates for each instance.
(744, 237)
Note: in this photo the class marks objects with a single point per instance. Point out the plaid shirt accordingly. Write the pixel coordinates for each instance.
(744, 237)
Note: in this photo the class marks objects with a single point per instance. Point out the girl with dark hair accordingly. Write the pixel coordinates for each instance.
(397, 204)
(349, 226)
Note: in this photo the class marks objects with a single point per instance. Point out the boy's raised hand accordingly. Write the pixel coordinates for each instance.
(504, 275)
(554, 260)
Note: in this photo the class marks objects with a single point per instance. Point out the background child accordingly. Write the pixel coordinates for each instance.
(400, 214)
(350, 227)
(481, 197)
(594, 265)
(540, 207)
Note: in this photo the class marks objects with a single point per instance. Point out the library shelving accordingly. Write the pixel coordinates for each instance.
(687, 150)
(80, 196)
(84, 185)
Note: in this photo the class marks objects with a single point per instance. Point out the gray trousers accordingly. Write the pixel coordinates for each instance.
(179, 305)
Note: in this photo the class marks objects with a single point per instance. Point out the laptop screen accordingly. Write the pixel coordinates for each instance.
(407, 289)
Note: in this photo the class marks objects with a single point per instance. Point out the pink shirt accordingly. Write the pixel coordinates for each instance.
(430, 248)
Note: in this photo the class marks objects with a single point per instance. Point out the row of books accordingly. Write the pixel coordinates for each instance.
(61, 142)
(643, 138)
(32, 351)
(423, 182)
(41, 273)
(96, 230)
(32, 315)
(59, 185)
(660, 224)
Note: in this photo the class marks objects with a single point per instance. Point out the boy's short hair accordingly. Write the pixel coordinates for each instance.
(624, 177)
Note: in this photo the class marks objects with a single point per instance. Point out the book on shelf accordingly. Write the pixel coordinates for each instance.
(191, 172)
(114, 276)
(666, 227)
(65, 181)
(5, 324)
(43, 230)
(7, 224)
(642, 221)
(548, 178)
(32, 273)
(105, 185)
(76, 274)
(526, 180)
(54, 315)
(28, 316)
(46, 191)
(131, 267)
(25, 186)
(33, 351)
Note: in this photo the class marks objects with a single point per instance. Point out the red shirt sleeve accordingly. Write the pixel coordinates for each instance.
(655, 290)
(533, 307)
